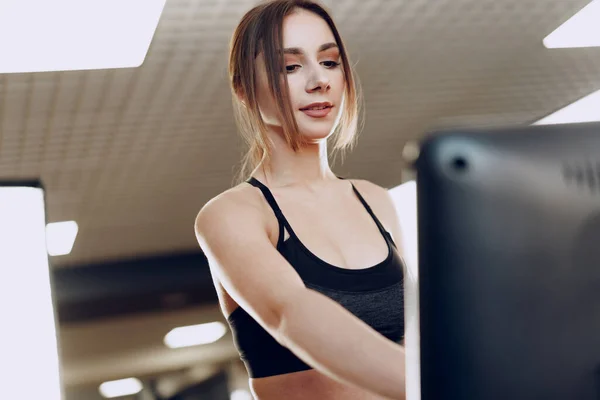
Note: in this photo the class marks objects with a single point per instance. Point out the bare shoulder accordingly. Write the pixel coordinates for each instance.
(377, 196)
(368, 186)
(238, 205)
(383, 206)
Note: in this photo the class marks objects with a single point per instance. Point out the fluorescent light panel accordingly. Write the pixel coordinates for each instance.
(63, 35)
(122, 387)
(60, 237)
(195, 335)
(581, 30)
(586, 109)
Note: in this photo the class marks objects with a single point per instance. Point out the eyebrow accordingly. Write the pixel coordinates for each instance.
(297, 51)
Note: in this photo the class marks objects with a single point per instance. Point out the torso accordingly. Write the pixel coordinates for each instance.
(338, 230)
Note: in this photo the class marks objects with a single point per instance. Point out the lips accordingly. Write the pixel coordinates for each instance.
(317, 106)
(317, 110)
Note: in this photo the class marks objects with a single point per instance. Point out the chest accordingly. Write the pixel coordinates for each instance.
(335, 227)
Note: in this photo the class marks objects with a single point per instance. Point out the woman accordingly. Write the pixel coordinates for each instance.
(316, 311)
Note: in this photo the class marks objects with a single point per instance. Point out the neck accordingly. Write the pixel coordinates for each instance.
(308, 166)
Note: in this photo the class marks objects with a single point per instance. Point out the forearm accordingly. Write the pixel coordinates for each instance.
(328, 337)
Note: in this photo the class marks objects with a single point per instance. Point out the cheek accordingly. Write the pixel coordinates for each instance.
(296, 89)
(266, 102)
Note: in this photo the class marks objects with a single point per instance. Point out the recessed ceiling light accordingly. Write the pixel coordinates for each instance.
(60, 237)
(122, 387)
(586, 109)
(63, 35)
(240, 394)
(581, 30)
(195, 335)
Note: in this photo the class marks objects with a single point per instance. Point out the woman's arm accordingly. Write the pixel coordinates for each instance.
(232, 231)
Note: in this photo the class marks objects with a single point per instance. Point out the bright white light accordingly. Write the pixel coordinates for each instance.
(59, 35)
(122, 387)
(405, 200)
(240, 394)
(60, 237)
(586, 109)
(28, 349)
(581, 30)
(195, 335)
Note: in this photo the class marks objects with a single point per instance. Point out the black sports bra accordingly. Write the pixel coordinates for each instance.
(374, 294)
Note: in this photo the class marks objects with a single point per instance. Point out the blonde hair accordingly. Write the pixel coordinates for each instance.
(261, 31)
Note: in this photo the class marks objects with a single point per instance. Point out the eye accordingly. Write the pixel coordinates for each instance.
(330, 64)
(291, 68)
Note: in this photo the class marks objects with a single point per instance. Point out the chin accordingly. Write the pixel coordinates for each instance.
(316, 134)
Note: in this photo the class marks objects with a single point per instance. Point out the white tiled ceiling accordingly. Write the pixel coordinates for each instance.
(133, 154)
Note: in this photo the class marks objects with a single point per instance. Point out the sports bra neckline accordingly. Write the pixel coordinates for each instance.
(283, 222)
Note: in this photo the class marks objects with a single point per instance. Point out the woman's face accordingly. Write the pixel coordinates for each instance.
(314, 74)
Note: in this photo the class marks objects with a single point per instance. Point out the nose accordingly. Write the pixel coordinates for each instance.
(319, 82)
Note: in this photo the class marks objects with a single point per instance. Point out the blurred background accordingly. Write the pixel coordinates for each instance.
(131, 155)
